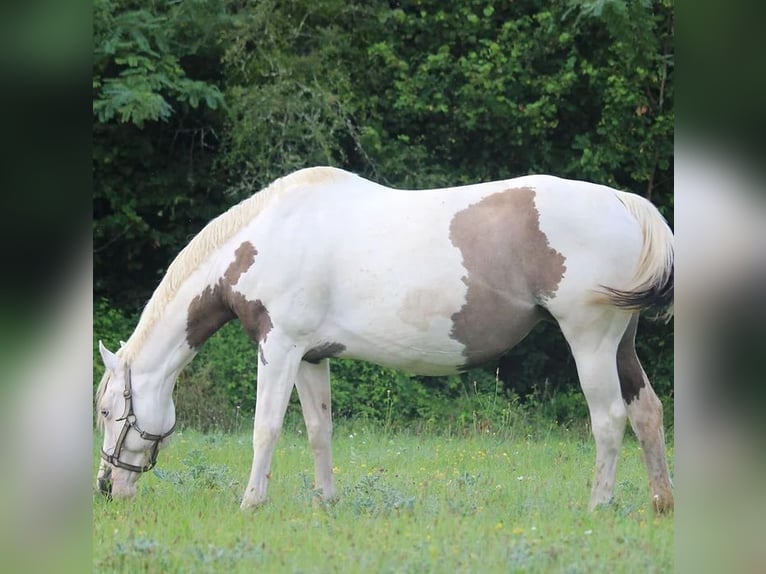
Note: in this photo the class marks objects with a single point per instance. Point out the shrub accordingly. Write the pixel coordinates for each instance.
(110, 325)
(226, 367)
(217, 390)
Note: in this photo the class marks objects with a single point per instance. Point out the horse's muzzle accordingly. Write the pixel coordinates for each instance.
(104, 481)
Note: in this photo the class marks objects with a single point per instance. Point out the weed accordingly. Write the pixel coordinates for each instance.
(198, 473)
(520, 556)
(137, 554)
(309, 494)
(371, 496)
(466, 479)
(226, 558)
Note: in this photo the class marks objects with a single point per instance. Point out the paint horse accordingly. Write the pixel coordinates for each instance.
(323, 263)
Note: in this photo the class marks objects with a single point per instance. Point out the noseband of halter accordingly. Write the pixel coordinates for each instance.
(130, 422)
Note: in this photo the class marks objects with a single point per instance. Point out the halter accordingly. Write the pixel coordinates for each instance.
(130, 422)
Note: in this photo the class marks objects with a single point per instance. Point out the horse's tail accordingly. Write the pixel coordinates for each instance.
(652, 283)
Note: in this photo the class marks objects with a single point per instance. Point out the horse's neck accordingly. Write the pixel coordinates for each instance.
(160, 343)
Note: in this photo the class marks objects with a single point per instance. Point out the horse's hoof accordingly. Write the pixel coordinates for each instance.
(251, 506)
(662, 505)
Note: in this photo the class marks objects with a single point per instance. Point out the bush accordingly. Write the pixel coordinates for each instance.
(110, 325)
(203, 404)
(217, 391)
(229, 360)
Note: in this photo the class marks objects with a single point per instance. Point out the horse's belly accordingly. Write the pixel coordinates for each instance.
(416, 356)
(435, 342)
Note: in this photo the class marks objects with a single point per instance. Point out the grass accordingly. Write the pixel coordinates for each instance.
(408, 503)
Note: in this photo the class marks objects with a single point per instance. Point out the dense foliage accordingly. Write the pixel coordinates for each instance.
(199, 103)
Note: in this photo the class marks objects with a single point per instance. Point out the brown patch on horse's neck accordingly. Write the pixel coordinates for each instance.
(219, 304)
(512, 270)
(206, 314)
(244, 257)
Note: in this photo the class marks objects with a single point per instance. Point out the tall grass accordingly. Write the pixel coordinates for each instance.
(408, 502)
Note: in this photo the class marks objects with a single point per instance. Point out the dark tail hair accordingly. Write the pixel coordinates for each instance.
(652, 284)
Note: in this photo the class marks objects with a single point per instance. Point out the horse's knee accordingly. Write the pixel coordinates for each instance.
(264, 436)
(608, 423)
(318, 430)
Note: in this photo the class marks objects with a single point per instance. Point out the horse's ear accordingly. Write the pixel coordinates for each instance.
(122, 344)
(111, 361)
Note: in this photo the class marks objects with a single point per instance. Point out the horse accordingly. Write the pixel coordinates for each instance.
(323, 263)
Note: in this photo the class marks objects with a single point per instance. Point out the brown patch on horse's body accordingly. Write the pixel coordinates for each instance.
(512, 270)
(253, 315)
(323, 351)
(219, 304)
(628, 367)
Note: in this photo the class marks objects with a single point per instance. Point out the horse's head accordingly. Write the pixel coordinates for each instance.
(133, 423)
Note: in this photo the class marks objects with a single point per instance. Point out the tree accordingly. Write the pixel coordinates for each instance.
(155, 106)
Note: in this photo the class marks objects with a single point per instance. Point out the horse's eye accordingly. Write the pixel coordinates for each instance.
(104, 413)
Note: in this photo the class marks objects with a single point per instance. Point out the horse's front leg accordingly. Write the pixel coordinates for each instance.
(276, 377)
(313, 384)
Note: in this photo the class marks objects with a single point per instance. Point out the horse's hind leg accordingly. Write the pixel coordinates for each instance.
(594, 335)
(645, 413)
(313, 384)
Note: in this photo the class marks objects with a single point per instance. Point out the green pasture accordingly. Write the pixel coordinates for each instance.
(408, 502)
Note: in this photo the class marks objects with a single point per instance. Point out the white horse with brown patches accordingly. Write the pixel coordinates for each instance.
(326, 264)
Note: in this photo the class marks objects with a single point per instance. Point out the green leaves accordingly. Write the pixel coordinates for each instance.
(631, 76)
(137, 64)
(156, 116)
(290, 99)
(131, 102)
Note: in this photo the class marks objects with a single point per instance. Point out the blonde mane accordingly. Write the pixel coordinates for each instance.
(212, 236)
